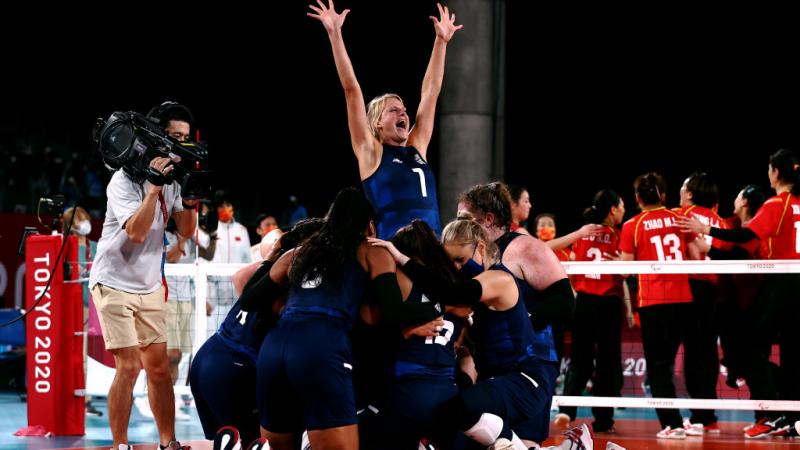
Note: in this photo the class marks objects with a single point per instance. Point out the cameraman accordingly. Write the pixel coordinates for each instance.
(127, 287)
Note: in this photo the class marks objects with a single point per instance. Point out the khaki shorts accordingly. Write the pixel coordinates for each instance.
(179, 325)
(130, 320)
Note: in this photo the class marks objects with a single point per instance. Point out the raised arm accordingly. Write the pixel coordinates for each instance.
(445, 27)
(365, 146)
(735, 235)
(569, 239)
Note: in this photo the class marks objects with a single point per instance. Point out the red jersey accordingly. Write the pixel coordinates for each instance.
(653, 235)
(707, 217)
(592, 248)
(777, 224)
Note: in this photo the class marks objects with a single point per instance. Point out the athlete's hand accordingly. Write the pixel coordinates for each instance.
(398, 257)
(328, 16)
(688, 225)
(445, 26)
(430, 329)
(591, 229)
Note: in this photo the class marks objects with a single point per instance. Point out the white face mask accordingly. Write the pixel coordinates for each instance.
(83, 227)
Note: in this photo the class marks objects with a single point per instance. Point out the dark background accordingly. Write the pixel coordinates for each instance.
(594, 98)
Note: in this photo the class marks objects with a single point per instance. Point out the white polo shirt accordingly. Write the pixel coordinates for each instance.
(120, 263)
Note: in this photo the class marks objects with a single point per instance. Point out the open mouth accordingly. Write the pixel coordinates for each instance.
(401, 124)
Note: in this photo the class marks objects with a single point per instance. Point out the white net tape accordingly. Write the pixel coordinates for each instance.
(209, 282)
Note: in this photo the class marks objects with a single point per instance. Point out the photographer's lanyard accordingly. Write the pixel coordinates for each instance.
(166, 242)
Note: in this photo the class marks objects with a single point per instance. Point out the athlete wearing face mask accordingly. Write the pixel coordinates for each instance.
(233, 241)
(470, 268)
(545, 226)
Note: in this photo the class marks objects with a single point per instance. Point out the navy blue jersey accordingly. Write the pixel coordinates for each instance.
(341, 299)
(239, 332)
(304, 369)
(544, 343)
(401, 190)
(503, 340)
(432, 357)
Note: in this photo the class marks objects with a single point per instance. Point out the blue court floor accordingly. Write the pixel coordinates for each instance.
(13, 416)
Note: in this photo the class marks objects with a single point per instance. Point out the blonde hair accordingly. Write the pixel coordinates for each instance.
(375, 109)
(469, 232)
(80, 215)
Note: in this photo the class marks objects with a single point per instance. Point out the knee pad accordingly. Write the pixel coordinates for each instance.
(487, 430)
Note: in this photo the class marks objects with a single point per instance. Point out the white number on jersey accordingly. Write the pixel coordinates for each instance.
(594, 254)
(672, 243)
(421, 181)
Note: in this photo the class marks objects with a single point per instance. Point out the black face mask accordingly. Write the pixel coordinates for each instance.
(470, 269)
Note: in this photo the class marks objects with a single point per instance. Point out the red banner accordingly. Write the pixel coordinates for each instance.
(54, 335)
(12, 266)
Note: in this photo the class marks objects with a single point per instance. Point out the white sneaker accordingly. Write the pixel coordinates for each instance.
(123, 447)
(578, 438)
(502, 444)
(693, 429)
(669, 433)
(612, 446)
(797, 426)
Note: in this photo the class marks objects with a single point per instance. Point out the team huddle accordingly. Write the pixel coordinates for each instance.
(376, 327)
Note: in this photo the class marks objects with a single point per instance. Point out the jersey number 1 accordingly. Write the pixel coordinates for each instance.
(421, 181)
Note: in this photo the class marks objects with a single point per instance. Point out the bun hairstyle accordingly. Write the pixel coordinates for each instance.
(490, 198)
(601, 206)
(651, 188)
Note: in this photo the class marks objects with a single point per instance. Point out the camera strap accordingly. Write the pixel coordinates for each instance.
(163, 204)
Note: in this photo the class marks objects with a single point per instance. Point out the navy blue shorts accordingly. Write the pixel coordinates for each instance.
(523, 405)
(305, 376)
(223, 381)
(537, 428)
(408, 411)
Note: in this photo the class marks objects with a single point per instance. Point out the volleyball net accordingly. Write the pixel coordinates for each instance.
(206, 293)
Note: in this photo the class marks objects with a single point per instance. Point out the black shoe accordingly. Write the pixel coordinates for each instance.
(604, 429)
(92, 411)
(175, 445)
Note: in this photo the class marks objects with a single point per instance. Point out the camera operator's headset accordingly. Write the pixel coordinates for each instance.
(156, 113)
